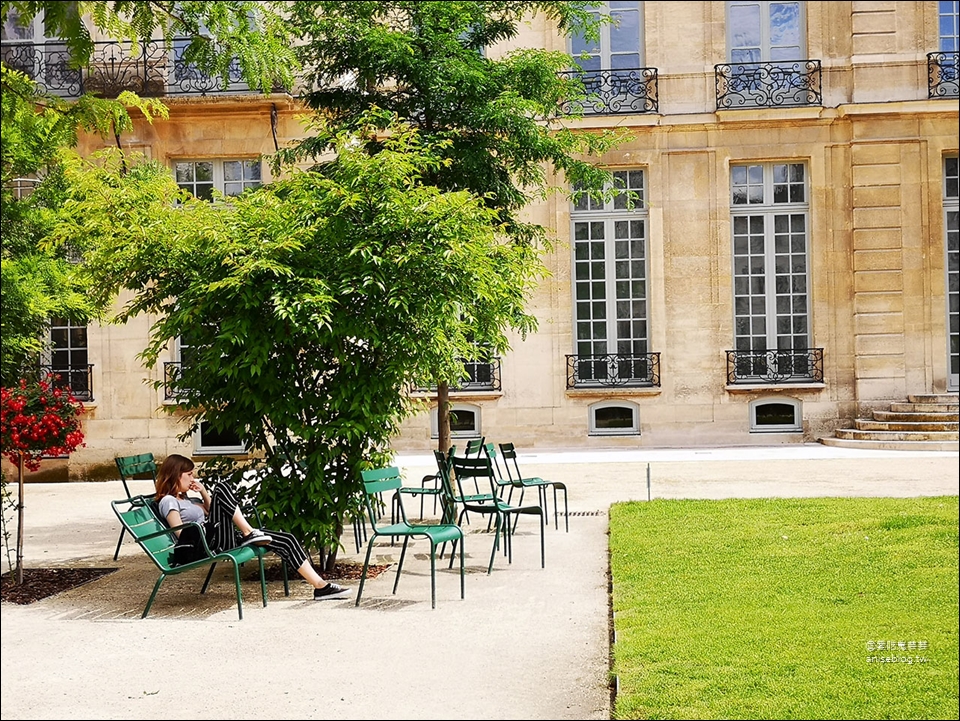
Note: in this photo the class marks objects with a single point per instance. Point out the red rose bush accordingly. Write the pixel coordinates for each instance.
(37, 420)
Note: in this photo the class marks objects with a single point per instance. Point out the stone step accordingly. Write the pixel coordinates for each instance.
(867, 424)
(948, 398)
(915, 417)
(853, 434)
(892, 445)
(924, 408)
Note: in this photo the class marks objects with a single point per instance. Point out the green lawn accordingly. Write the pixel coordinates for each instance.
(820, 608)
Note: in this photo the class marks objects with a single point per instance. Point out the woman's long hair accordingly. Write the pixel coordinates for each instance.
(168, 477)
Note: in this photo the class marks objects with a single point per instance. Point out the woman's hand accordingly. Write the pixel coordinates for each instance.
(197, 486)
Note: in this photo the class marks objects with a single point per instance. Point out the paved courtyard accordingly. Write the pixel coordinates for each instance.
(525, 643)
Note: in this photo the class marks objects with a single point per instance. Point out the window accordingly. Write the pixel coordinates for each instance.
(230, 177)
(464, 421)
(782, 415)
(620, 45)
(769, 211)
(614, 418)
(765, 31)
(67, 356)
(610, 281)
(951, 228)
(611, 67)
(44, 60)
(949, 27)
(208, 440)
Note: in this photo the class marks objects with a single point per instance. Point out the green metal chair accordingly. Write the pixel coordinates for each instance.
(129, 467)
(509, 455)
(388, 480)
(503, 514)
(158, 541)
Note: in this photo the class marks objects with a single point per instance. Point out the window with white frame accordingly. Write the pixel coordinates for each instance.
(464, 421)
(770, 221)
(620, 46)
(776, 415)
(610, 279)
(765, 31)
(67, 356)
(230, 177)
(949, 25)
(614, 418)
(951, 229)
(208, 440)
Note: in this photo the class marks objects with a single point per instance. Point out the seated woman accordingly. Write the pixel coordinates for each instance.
(222, 519)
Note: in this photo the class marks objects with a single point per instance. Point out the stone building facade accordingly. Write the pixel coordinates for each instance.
(793, 262)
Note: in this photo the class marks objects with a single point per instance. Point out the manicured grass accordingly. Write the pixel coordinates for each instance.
(775, 608)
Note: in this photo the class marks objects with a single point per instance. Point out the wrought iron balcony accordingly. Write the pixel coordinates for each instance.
(613, 370)
(615, 92)
(171, 378)
(800, 365)
(78, 379)
(158, 70)
(481, 376)
(942, 75)
(768, 84)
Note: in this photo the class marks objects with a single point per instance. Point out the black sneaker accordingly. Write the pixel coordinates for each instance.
(331, 590)
(256, 537)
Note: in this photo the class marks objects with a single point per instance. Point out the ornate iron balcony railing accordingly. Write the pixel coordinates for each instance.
(614, 92)
(159, 69)
(769, 84)
(78, 379)
(942, 75)
(800, 365)
(613, 370)
(171, 378)
(481, 376)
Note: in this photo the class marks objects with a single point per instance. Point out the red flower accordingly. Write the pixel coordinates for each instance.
(39, 419)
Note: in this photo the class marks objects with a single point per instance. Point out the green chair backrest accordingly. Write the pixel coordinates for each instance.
(130, 466)
(477, 468)
(142, 519)
(376, 482)
(474, 446)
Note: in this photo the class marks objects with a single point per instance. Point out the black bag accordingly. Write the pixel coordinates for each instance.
(189, 546)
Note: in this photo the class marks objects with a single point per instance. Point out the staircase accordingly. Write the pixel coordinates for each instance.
(927, 422)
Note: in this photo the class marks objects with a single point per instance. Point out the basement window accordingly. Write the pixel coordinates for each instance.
(614, 418)
(780, 415)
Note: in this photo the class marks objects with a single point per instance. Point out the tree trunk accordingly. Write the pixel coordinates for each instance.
(19, 569)
(443, 416)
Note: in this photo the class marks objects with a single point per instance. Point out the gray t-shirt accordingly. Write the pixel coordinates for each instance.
(191, 509)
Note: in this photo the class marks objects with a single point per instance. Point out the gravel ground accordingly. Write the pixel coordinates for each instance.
(526, 642)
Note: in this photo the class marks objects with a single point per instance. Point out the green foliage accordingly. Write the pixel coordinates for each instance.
(776, 608)
(426, 63)
(254, 34)
(310, 306)
(37, 279)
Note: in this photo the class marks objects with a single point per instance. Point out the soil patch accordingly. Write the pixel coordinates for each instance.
(39, 583)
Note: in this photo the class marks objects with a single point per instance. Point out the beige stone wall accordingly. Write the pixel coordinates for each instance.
(874, 155)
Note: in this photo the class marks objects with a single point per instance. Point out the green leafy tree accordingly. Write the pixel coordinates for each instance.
(38, 279)
(311, 304)
(498, 117)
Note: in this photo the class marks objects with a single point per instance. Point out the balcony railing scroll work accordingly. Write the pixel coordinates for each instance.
(615, 92)
(481, 376)
(942, 80)
(613, 370)
(782, 83)
(158, 69)
(78, 379)
(799, 365)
